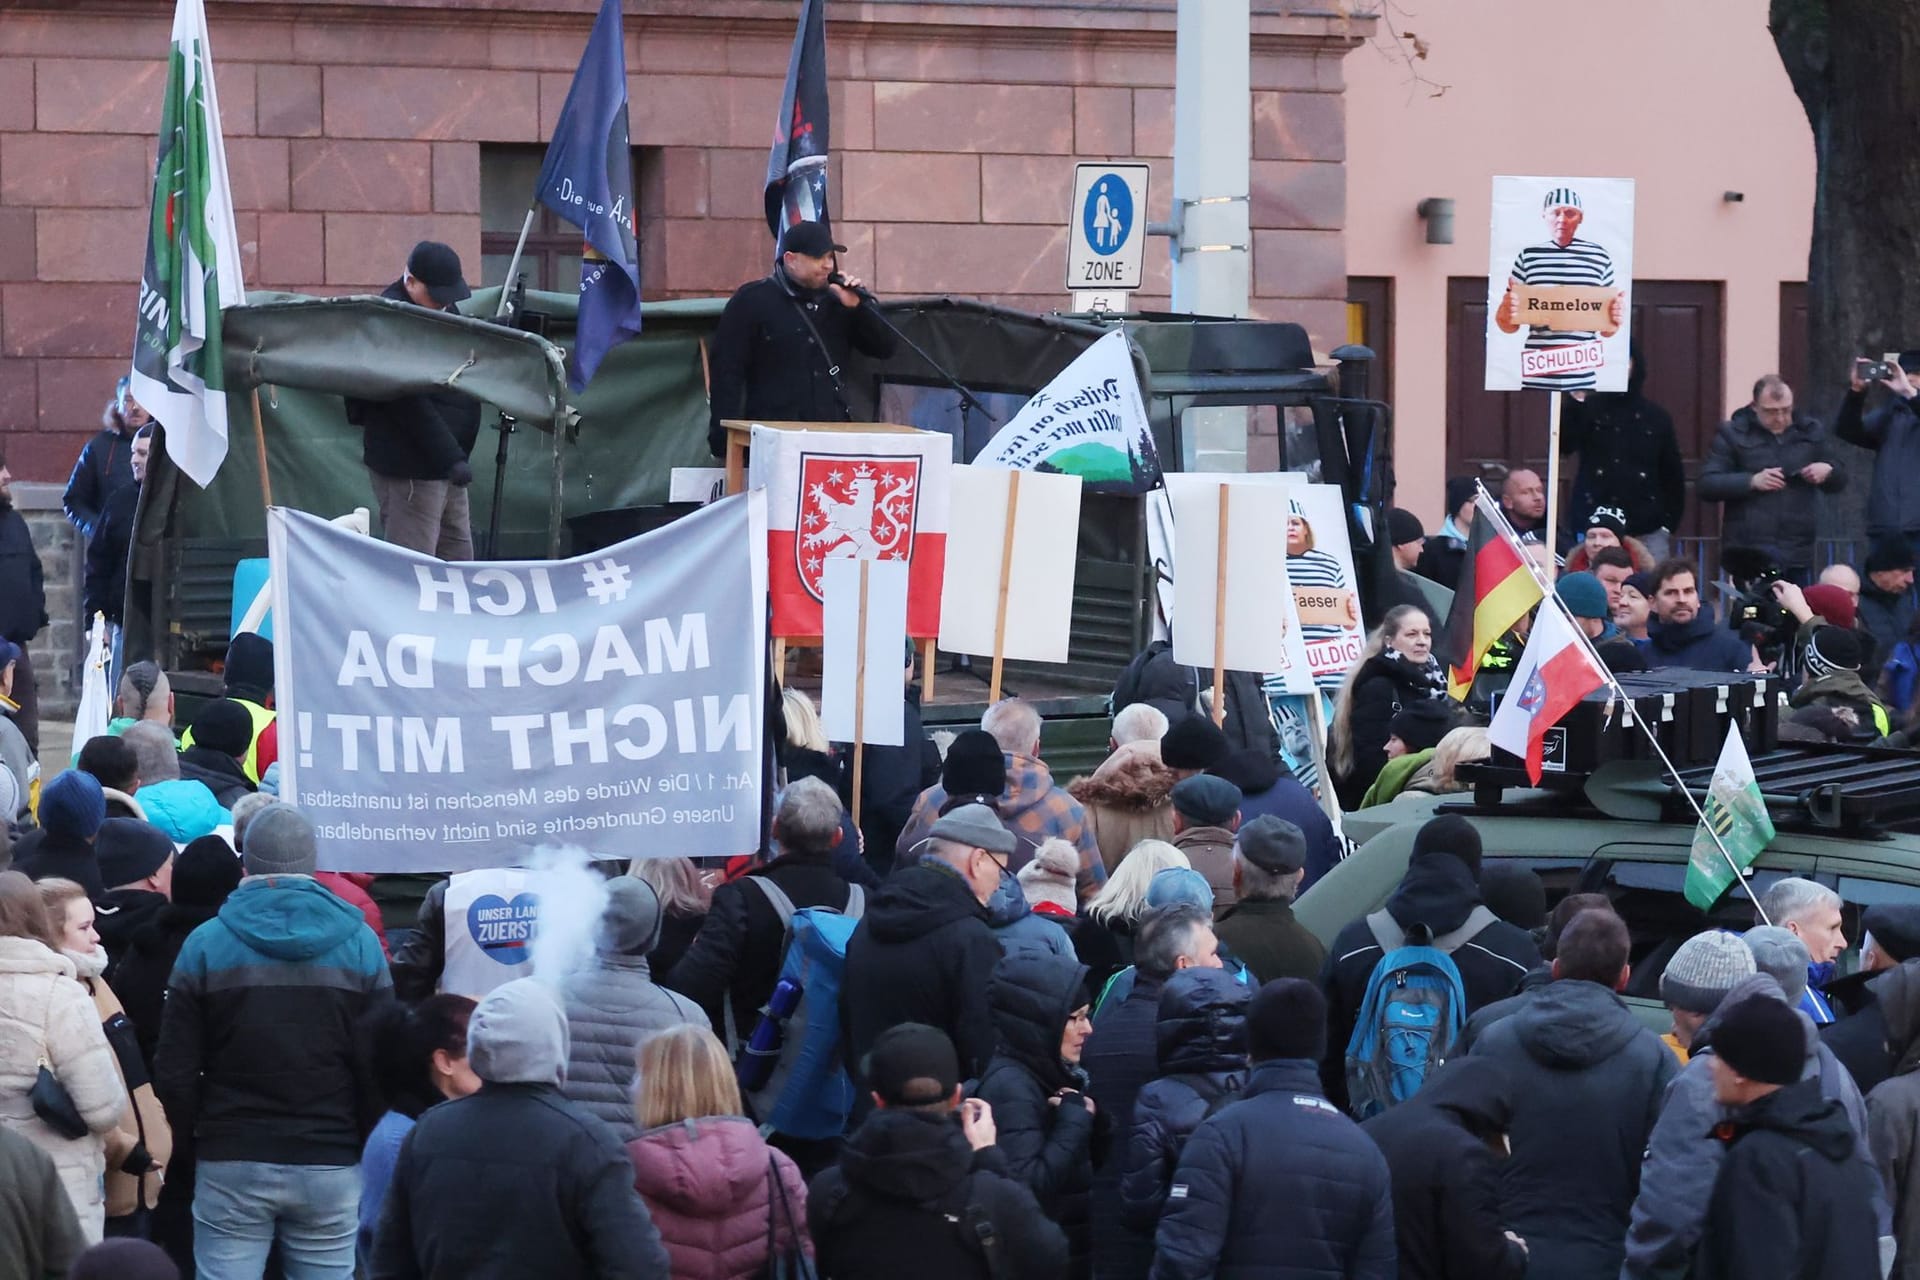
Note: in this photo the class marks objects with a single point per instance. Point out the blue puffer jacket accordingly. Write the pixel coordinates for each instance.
(1278, 1186)
(1202, 1036)
(259, 1057)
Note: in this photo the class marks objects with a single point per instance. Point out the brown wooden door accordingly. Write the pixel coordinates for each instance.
(1677, 324)
(1370, 323)
(1793, 335)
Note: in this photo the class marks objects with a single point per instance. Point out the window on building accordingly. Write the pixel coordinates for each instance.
(551, 259)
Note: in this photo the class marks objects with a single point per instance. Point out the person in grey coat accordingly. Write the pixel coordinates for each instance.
(614, 1006)
(1683, 1158)
(1588, 1081)
(1768, 465)
(1893, 1119)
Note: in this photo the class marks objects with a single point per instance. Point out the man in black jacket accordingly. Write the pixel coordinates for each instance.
(23, 604)
(1588, 1083)
(735, 958)
(780, 349)
(921, 1187)
(515, 1180)
(1443, 1147)
(1794, 1199)
(1769, 465)
(105, 587)
(1441, 892)
(923, 951)
(416, 447)
(1629, 458)
(102, 468)
(1279, 1184)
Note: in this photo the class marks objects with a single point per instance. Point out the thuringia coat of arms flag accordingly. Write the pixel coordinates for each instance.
(852, 495)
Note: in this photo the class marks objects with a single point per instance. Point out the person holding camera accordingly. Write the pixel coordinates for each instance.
(1891, 431)
(416, 447)
(1768, 465)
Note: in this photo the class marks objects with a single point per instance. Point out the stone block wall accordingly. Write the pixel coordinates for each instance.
(355, 129)
(54, 651)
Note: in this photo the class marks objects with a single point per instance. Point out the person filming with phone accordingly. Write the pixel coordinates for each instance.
(1892, 430)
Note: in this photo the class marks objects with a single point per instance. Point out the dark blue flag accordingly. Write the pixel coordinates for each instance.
(797, 167)
(588, 180)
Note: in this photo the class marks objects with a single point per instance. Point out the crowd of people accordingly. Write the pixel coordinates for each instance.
(1052, 1029)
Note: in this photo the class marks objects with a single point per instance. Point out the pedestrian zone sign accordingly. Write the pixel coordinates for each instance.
(1107, 235)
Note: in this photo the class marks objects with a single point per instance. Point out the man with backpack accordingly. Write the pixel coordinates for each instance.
(1434, 945)
(1588, 1082)
(920, 1188)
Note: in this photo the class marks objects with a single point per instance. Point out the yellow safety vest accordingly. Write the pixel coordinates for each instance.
(249, 763)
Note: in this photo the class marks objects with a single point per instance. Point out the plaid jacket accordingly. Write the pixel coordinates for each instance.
(1031, 807)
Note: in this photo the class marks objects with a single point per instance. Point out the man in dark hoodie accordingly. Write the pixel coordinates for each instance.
(1893, 1098)
(248, 680)
(1794, 1199)
(260, 1062)
(513, 1180)
(1537, 978)
(416, 447)
(1864, 1039)
(921, 1188)
(1438, 895)
(219, 748)
(1444, 1148)
(136, 865)
(1892, 431)
(923, 951)
(1588, 1083)
(1629, 458)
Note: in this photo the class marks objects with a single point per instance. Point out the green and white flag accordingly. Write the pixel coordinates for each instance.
(1735, 812)
(193, 261)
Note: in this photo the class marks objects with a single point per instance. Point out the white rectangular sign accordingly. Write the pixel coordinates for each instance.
(1107, 227)
(1262, 631)
(1046, 537)
(1559, 284)
(881, 720)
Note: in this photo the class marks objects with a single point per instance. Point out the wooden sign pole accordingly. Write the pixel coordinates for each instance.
(1006, 577)
(1220, 613)
(1553, 481)
(1317, 728)
(860, 697)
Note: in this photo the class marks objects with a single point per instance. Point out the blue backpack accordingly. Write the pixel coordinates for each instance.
(790, 1068)
(1413, 1012)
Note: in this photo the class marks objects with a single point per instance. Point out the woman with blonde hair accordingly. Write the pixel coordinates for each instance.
(50, 1025)
(1396, 670)
(684, 897)
(1105, 942)
(1440, 776)
(717, 1192)
(804, 749)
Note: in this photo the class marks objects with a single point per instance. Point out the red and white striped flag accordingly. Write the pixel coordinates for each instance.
(1555, 672)
(852, 495)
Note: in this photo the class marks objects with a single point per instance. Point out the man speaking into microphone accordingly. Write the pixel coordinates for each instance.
(783, 340)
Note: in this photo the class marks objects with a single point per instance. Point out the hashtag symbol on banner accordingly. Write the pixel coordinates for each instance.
(607, 580)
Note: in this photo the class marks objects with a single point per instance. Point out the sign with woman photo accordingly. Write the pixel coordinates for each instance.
(1559, 284)
(1320, 571)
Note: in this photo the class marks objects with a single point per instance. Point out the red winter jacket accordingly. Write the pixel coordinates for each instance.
(706, 1183)
(352, 889)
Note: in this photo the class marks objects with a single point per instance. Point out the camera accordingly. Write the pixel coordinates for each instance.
(1875, 370)
(1754, 613)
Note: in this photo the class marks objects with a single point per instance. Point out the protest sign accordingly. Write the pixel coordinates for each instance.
(1320, 570)
(1014, 583)
(1248, 604)
(447, 717)
(862, 688)
(1559, 304)
(878, 494)
(1088, 422)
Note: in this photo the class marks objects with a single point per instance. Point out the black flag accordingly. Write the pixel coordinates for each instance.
(797, 166)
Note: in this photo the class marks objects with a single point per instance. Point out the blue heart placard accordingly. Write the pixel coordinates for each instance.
(504, 929)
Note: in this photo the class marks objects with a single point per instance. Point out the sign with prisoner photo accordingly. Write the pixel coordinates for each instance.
(1559, 284)
(447, 717)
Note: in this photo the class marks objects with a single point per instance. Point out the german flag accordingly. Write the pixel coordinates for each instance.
(1494, 591)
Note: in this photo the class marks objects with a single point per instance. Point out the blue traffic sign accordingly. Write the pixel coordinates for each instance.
(1107, 215)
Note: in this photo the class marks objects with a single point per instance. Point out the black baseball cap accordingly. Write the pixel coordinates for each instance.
(437, 266)
(810, 238)
(913, 1065)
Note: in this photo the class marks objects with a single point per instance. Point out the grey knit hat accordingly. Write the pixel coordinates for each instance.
(280, 843)
(1780, 955)
(1704, 969)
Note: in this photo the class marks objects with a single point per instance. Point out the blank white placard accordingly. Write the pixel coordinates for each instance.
(1046, 536)
(882, 722)
(1262, 629)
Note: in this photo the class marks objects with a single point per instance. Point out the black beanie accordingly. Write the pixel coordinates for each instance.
(249, 667)
(1421, 724)
(1287, 1018)
(1193, 742)
(975, 766)
(1449, 834)
(1761, 1038)
(224, 726)
(1889, 554)
(206, 871)
(1514, 892)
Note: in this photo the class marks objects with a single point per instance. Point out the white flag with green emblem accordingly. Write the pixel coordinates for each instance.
(1736, 813)
(193, 262)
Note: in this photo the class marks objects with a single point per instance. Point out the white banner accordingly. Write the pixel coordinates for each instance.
(447, 717)
(1088, 422)
(1559, 284)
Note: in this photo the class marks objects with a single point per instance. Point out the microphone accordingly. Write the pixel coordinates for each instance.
(841, 280)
